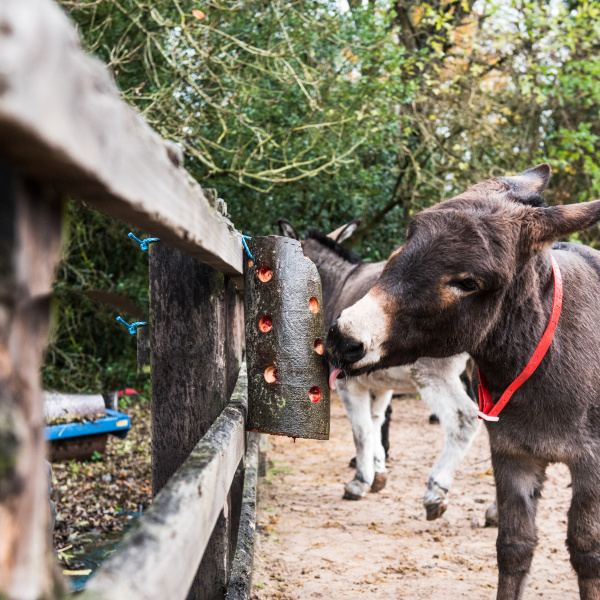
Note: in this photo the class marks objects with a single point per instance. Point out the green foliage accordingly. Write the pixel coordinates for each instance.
(90, 351)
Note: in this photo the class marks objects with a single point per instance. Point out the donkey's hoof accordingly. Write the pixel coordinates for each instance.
(434, 419)
(435, 511)
(435, 501)
(378, 482)
(355, 490)
(352, 464)
(349, 496)
(491, 515)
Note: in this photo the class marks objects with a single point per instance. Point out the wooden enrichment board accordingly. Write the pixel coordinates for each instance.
(288, 391)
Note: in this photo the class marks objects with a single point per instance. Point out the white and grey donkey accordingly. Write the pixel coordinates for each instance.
(346, 279)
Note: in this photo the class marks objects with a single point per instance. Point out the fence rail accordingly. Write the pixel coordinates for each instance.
(64, 130)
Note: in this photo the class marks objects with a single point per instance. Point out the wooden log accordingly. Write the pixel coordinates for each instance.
(62, 120)
(58, 404)
(287, 375)
(30, 235)
(240, 581)
(158, 558)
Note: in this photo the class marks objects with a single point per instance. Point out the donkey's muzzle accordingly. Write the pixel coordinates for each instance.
(341, 350)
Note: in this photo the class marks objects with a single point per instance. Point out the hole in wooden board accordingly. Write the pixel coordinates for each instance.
(313, 304)
(266, 323)
(319, 346)
(265, 274)
(314, 394)
(271, 374)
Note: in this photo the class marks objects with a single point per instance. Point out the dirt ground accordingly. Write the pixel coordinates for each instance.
(313, 544)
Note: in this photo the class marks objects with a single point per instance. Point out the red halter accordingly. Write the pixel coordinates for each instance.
(487, 409)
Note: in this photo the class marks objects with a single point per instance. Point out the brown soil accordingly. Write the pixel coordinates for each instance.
(313, 544)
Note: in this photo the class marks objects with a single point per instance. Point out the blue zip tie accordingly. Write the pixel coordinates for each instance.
(143, 243)
(133, 327)
(244, 238)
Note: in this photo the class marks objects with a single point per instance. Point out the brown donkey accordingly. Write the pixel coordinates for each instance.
(476, 275)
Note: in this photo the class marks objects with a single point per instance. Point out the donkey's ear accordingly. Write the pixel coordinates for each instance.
(526, 187)
(549, 224)
(344, 232)
(287, 229)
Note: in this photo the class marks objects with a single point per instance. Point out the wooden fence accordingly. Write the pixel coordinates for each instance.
(64, 130)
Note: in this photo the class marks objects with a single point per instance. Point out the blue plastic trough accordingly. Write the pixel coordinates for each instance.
(115, 422)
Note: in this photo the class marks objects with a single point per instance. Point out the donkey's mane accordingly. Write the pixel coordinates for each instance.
(347, 255)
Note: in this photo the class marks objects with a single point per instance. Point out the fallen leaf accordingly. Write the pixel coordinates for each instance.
(198, 14)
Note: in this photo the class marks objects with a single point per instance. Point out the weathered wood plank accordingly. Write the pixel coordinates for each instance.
(159, 556)
(62, 120)
(189, 366)
(240, 580)
(143, 351)
(30, 235)
(194, 368)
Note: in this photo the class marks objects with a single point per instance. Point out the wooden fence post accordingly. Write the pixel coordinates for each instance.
(30, 234)
(194, 368)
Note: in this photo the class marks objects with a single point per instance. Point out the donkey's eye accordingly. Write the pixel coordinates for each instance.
(465, 285)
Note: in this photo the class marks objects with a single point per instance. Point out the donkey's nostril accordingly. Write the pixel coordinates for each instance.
(354, 350)
(354, 346)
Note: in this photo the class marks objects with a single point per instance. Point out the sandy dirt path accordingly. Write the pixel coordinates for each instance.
(313, 544)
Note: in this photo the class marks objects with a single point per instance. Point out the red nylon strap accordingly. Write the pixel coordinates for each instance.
(487, 409)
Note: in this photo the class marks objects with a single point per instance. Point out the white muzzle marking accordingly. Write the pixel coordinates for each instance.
(366, 322)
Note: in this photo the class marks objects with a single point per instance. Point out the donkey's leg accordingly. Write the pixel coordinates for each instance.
(519, 483)
(379, 405)
(357, 401)
(443, 392)
(385, 430)
(385, 437)
(583, 536)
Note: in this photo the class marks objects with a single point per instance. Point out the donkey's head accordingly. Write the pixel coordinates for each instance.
(443, 290)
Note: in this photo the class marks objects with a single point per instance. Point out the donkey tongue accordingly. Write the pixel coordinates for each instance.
(333, 373)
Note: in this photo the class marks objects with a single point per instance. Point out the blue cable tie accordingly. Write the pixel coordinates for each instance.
(133, 327)
(143, 243)
(244, 238)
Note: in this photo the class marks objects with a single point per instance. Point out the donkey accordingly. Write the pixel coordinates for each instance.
(478, 273)
(345, 279)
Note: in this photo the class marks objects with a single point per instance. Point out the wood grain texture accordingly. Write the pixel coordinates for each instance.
(188, 333)
(195, 363)
(240, 580)
(30, 236)
(62, 120)
(159, 556)
(284, 407)
(143, 351)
